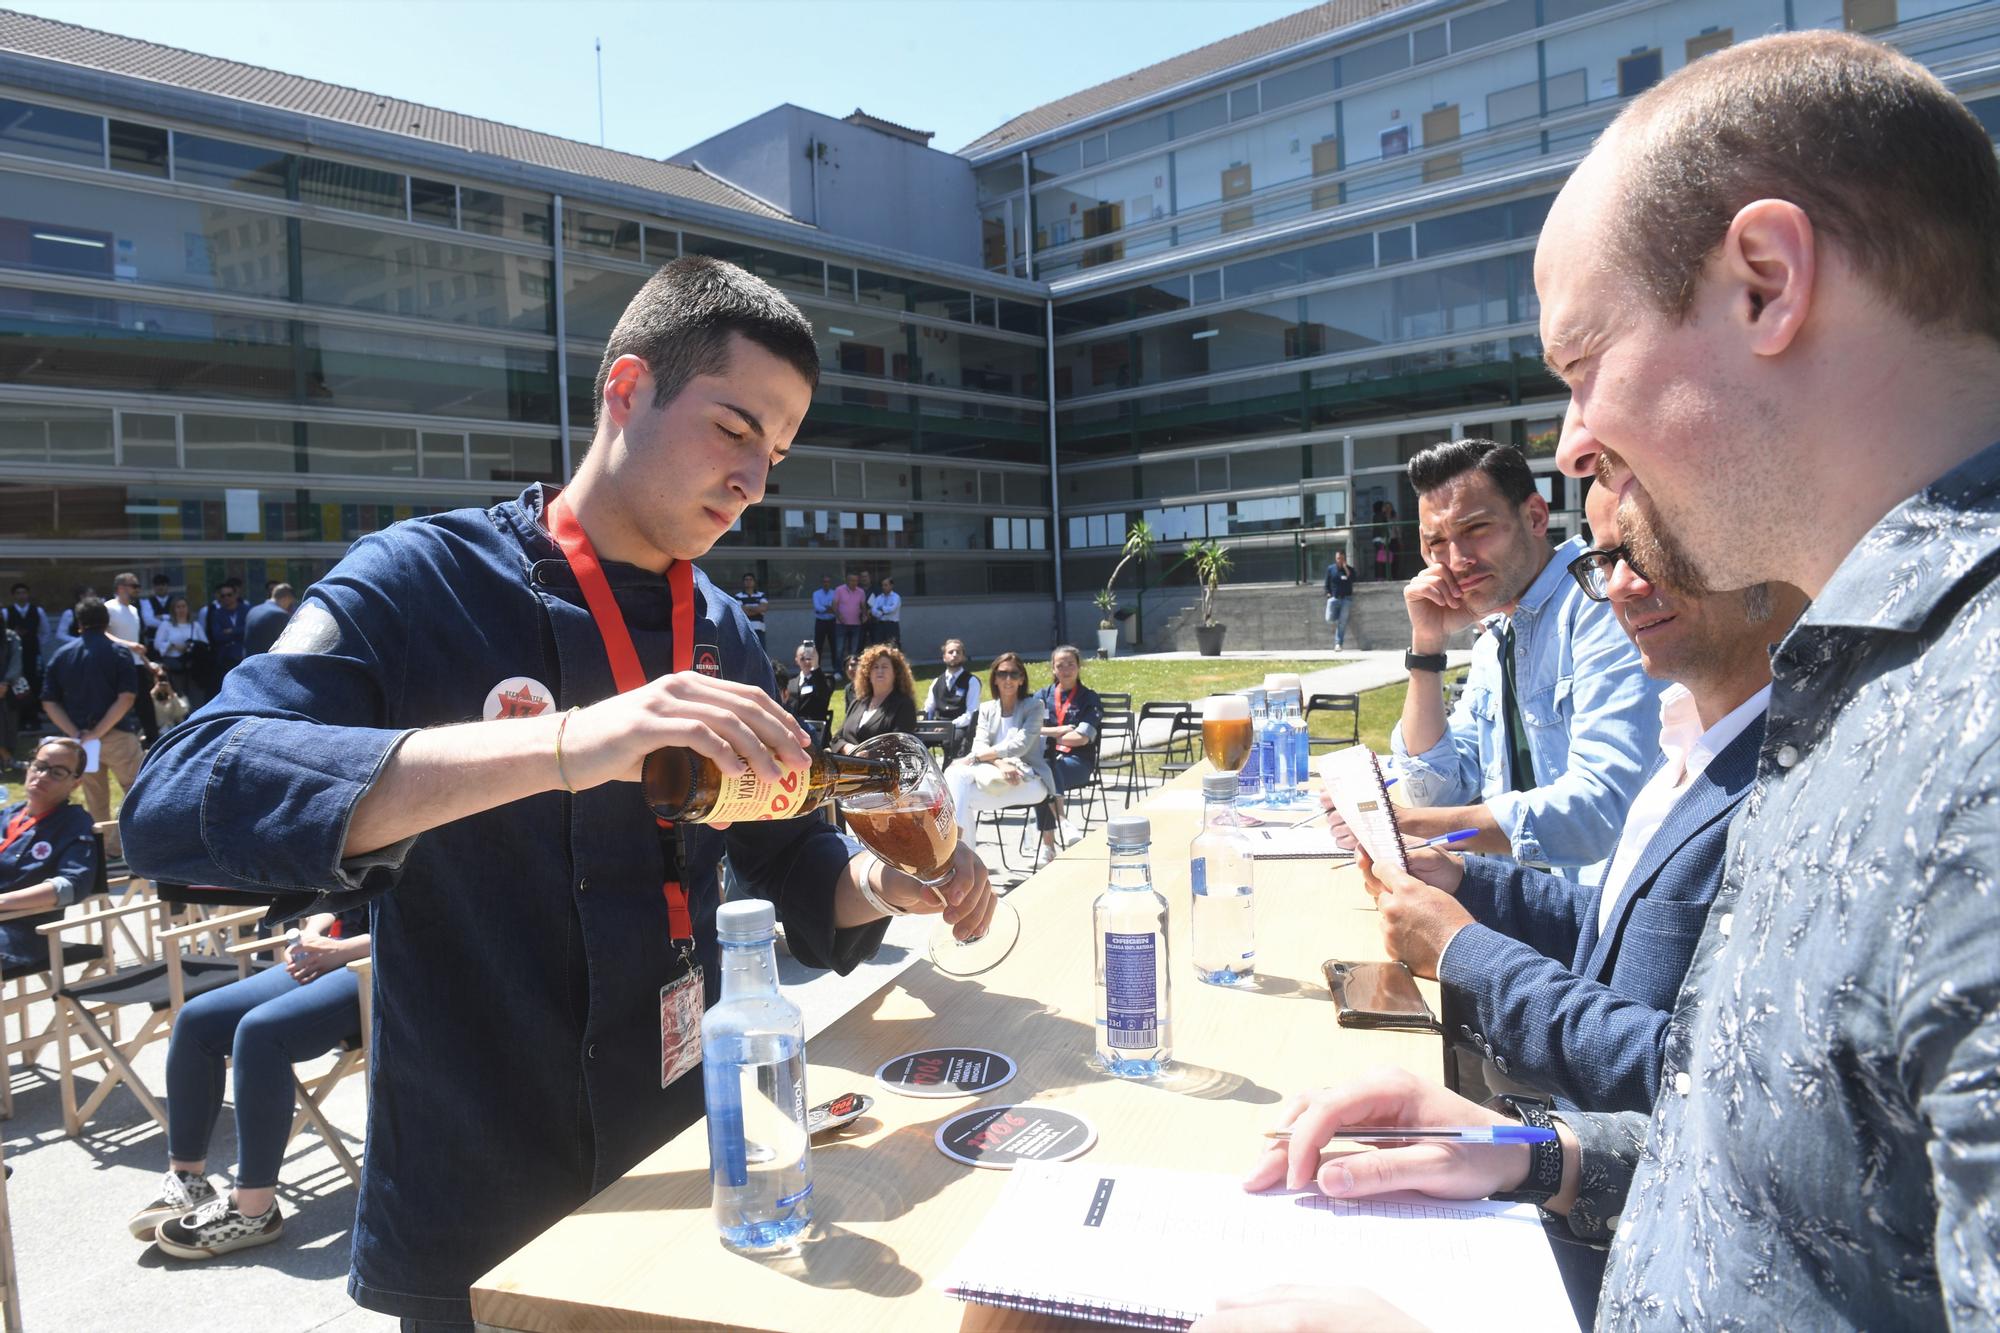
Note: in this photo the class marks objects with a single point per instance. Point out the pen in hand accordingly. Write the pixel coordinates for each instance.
(1491, 1134)
(1443, 839)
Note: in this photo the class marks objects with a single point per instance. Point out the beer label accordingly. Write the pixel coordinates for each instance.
(746, 797)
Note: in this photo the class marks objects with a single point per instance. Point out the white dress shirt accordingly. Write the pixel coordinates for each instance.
(1689, 751)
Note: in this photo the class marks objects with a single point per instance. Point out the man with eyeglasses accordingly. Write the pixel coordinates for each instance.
(48, 856)
(1558, 723)
(226, 621)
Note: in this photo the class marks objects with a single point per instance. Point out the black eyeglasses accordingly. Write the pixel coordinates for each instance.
(56, 771)
(1592, 571)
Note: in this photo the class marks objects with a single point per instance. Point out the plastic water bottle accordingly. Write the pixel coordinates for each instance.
(1302, 762)
(1134, 1012)
(753, 1052)
(1251, 782)
(1220, 870)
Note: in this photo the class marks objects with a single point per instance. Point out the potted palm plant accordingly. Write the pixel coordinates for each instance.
(1138, 545)
(1211, 566)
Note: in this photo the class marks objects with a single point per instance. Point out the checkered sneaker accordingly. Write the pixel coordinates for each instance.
(217, 1228)
(179, 1193)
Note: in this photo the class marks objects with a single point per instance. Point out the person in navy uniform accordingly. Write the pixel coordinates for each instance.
(48, 851)
(267, 619)
(533, 1038)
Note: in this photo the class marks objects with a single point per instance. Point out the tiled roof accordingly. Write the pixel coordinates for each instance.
(866, 121)
(1274, 36)
(47, 39)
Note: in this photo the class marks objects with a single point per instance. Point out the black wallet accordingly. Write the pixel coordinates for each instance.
(1378, 995)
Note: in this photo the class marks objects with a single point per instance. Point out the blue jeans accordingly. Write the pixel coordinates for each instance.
(1071, 771)
(1337, 609)
(265, 1023)
(847, 643)
(19, 944)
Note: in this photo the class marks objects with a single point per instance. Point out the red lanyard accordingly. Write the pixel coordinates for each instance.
(20, 826)
(1062, 706)
(625, 669)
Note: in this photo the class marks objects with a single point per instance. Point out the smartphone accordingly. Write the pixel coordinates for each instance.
(1378, 995)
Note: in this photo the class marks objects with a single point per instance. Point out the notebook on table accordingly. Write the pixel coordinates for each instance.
(1353, 778)
(1148, 1247)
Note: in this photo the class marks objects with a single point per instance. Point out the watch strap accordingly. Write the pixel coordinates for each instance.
(1424, 662)
(1545, 1162)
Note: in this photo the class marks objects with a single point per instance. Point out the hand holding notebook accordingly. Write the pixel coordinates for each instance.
(1353, 780)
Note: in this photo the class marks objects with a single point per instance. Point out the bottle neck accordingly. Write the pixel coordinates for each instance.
(749, 967)
(1131, 868)
(1216, 812)
(853, 775)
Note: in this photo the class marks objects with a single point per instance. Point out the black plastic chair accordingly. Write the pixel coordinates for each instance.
(1339, 705)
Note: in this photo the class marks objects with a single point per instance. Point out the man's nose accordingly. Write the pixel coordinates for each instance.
(1577, 449)
(1626, 584)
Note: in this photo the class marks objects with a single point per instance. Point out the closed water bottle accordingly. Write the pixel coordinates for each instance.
(1219, 871)
(1297, 767)
(1134, 1010)
(753, 1071)
(1251, 780)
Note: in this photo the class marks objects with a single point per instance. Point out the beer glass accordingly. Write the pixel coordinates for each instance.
(1225, 731)
(915, 830)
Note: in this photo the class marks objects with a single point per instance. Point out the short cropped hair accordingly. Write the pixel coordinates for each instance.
(1882, 158)
(91, 615)
(1443, 463)
(283, 590)
(681, 321)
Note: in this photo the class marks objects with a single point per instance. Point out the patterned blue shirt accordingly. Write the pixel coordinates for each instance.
(1593, 728)
(1825, 1151)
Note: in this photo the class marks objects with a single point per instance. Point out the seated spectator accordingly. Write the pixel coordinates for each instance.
(48, 856)
(851, 674)
(1005, 767)
(1071, 715)
(885, 699)
(809, 697)
(954, 698)
(263, 1025)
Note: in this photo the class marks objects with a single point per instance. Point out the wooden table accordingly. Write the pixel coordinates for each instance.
(890, 1211)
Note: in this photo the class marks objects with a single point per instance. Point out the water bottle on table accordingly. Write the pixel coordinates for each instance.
(1134, 1011)
(753, 1052)
(1219, 871)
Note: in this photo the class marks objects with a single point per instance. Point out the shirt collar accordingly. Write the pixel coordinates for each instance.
(1553, 576)
(1920, 551)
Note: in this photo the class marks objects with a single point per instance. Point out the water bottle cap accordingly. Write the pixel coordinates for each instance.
(746, 919)
(1131, 831)
(1256, 695)
(1220, 786)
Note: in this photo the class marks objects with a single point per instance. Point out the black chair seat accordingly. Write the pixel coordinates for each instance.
(72, 954)
(146, 983)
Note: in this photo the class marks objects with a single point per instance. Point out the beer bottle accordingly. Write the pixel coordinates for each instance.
(685, 786)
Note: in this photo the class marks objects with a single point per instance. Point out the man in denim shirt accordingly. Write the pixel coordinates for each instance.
(1559, 723)
(1773, 291)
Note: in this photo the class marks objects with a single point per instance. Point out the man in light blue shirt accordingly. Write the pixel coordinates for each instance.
(1559, 723)
(823, 621)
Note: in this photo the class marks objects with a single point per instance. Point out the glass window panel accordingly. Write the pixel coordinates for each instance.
(239, 444)
(1295, 85)
(840, 282)
(33, 433)
(1265, 467)
(998, 180)
(392, 372)
(949, 359)
(50, 133)
(595, 298)
(140, 150)
(1555, 11)
(1394, 246)
(1136, 137)
(1241, 410)
(888, 481)
(848, 480)
(1243, 102)
(1024, 490)
(492, 213)
(514, 458)
(989, 488)
(443, 455)
(146, 440)
(439, 279)
(342, 448)
(1491, 24)
(1333, 259)
(854, 343)
(1057, 161)
(582, 392)
(1212, 473)
(1462, 231)
(802, 475)
(1428, 43)
(1198, 116)
(792, 273)
(1093, 312)
(1375, 59)
(435, 202)
(90, 343)
(1207, 286)
(1262, 274)
(663, 245)
(1171, 476)
(355, 189)
(602, 234)
(1091, 151)
(223, 165)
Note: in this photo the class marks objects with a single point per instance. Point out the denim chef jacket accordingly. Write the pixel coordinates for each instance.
(519, 953)
(1593, 728)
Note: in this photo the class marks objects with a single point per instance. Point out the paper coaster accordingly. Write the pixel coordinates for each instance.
(1002, 1136)
(948, 1071)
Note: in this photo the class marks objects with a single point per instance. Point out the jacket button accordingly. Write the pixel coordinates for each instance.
(583, 883)
(1500, 1063)
(1682, 1082)
(1726, 923)
(1788, 755)
(590, 1051)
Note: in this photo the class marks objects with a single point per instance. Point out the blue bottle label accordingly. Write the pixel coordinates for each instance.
(1131, 995)
(1198, 874)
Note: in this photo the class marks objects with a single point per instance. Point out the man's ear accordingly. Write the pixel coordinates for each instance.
(1768, 263)
(627, 386)
(1535, 510)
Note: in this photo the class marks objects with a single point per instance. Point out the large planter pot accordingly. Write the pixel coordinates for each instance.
(1107, 641)
(1209, 637)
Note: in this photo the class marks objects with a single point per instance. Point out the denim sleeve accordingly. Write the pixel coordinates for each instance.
(1089, 715)
(1946, 1011)
(1610, 1144)
(257, 790)
(73, 871)
(1452, 771)
(1614, 734)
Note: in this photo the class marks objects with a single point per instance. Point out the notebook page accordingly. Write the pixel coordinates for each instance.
(1146, 1238)
(1308, 840)
(1353, 778)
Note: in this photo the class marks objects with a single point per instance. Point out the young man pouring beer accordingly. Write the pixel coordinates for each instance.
(455, 720)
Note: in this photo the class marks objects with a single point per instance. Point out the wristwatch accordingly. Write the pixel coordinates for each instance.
(1424, 662)
(1545, 1163)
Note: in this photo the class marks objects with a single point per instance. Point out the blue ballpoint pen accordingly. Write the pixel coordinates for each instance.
(1491, 1134)
(1443, 839)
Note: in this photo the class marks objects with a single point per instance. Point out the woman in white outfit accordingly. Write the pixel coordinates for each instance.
(1005, 767)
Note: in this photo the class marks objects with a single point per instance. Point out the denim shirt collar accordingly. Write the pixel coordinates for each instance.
(1554, 574)
(1918, 553)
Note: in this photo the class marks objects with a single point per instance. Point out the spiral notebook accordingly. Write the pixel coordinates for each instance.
(1146, 1247)
(1353, 778)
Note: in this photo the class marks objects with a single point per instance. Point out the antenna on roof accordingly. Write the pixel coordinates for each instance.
(599, 43)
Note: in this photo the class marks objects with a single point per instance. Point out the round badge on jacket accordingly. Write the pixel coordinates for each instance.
(41, 851)
(518, 696)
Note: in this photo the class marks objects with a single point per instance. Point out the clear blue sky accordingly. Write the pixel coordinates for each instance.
(676, 72)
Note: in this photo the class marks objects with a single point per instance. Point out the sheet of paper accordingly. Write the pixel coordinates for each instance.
(1313, 839)
(1353, 778)
(1125, 1238)
(91, 750)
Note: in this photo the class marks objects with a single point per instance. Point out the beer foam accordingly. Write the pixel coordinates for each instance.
(1224, 707)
